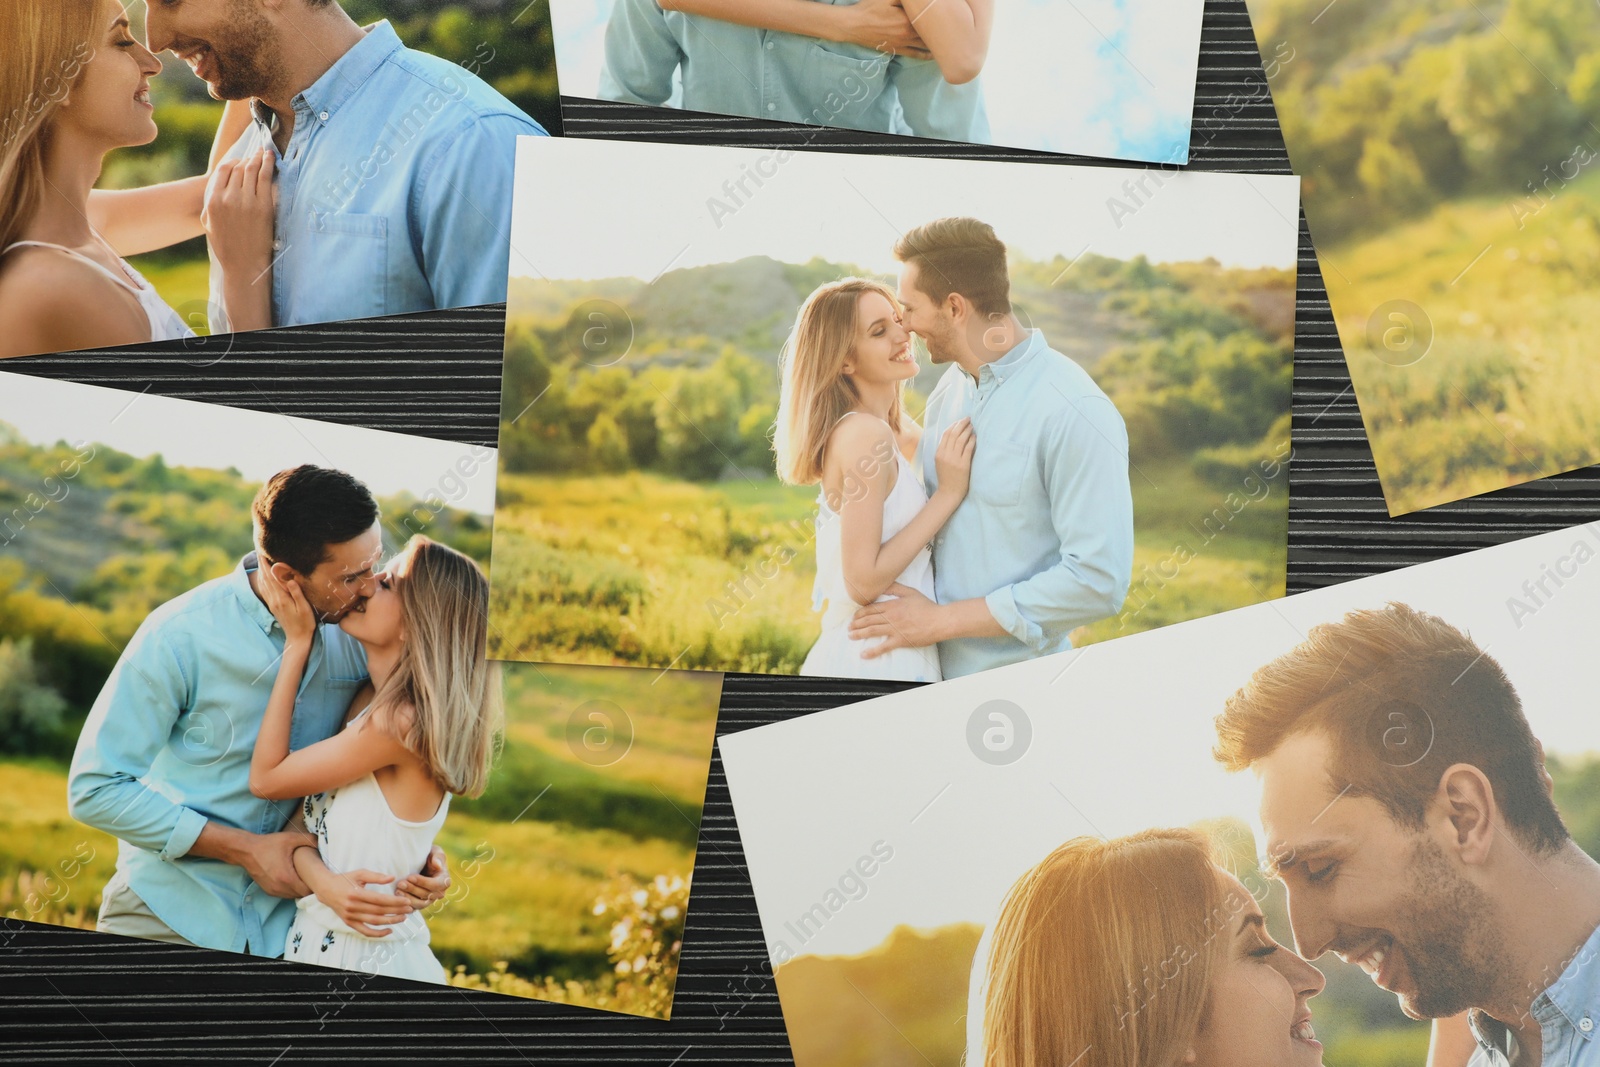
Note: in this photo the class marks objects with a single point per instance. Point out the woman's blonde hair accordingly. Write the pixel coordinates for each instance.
(45, 45)
(815, 393)
(1102, 956)
(444, 683)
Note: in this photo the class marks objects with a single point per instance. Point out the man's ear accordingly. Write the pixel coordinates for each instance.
(1468, 802)
(283, 572)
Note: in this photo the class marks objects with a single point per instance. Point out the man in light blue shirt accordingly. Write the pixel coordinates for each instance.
(1410, 815)
(394, 168)
(738, 70)
(163, 762)
(1043, 542)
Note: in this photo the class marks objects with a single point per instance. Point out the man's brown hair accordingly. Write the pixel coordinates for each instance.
(1402, 695)
(959, 255)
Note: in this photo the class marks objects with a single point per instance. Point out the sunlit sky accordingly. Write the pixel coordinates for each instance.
(636, 210)
(1113, 78)
(257, 444)
(1122, 737)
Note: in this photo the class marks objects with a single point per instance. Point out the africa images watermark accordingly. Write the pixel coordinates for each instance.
(1553, 577)
(851, 885)
(56, 488)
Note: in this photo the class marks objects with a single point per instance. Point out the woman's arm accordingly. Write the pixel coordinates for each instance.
(239, 221)
(881, 24)
(866, 447)
(141, 220)
(275, 772)
(957, 33)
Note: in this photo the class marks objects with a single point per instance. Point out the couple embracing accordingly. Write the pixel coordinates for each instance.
(989, 533)
(276, 749)
(350, 176)
(1412, 823)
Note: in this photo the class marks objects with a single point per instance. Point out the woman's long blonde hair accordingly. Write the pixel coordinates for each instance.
(1104, 951)
(44, 46)
(443, 675)
(815, 393)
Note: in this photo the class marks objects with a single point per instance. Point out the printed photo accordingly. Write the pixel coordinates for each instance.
(245, 704)
(1353, 827)
(1113, 78)
(875, 417)
(317, 161)
(1448, 151)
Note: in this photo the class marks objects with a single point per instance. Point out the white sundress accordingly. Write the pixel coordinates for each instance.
(836, 654)
(165, 323)
(356, 830)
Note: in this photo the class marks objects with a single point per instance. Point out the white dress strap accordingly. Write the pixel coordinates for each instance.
(126, 283)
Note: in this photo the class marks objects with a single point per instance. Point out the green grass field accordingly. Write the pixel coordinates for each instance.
(184, 284)
(529, 860)
(639, 569)
(1508, 391)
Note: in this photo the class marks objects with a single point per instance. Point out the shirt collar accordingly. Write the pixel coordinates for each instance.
(1574, 997)
(328, 93)
(1012, 361)
(255, 609)
(1576, 994)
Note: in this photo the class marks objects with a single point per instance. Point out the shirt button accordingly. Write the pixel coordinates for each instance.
(323, 116)
(277, 244)
(1586, 1024)
(771, 45)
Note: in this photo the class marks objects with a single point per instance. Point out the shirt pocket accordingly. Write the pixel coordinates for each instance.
(999, 471)
(845, 81)
(349, 255)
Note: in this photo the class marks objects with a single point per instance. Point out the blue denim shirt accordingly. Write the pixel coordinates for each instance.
(167, 747)
(1045, 534)
(1568, 1013)
(737, 70)
(395, 190)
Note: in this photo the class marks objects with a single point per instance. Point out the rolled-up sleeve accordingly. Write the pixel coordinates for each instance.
(462, 214)
(641, 54)
(130, 723)
(1085, 466)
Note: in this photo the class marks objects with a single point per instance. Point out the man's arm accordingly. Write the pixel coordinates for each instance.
(462, 219)
(642, 54)
(129, 724)
(1091, 507)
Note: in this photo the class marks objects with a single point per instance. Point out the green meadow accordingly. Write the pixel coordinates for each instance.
(645, 570)
(532, 861)
(1507, 391)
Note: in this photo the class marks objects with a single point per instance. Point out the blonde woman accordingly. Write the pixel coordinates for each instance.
(1141, 952)
(842, 426)
(376, 793)
(74, 86)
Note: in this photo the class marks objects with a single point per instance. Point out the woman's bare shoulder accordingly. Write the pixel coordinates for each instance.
(53, 302)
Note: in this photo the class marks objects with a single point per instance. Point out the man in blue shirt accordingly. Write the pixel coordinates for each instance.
(1409, 814)
(1043, 542)
(394, 168)
(739, 70)
(163, 762)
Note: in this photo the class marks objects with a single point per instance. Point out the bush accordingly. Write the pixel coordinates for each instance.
(32, 714)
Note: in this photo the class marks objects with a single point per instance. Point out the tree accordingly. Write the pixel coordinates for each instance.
(30, 711)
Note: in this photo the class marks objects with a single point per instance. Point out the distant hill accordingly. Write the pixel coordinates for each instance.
(752, 303)
(902, 1004)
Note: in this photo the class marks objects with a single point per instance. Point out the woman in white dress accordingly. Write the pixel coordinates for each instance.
(841, 426)
(376, 793)
(74, 85)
